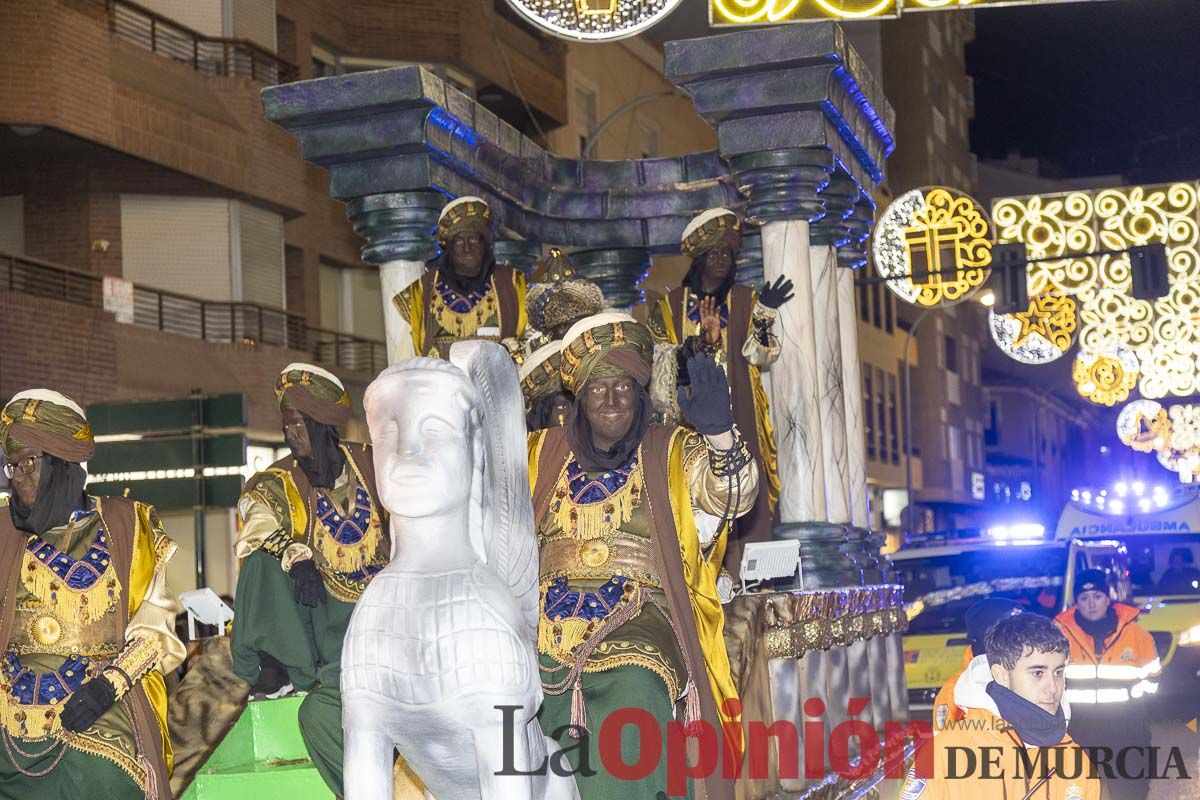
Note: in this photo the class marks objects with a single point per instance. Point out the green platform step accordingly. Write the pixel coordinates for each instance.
(261, 758)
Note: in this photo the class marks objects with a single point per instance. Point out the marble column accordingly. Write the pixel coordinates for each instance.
(856, 456)
(398, 227)
(829, 377)
(795, 402)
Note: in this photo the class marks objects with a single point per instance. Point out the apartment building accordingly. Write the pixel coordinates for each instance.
(157, 234)
(921, 60)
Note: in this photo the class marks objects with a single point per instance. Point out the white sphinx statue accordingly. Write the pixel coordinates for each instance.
(448, 630)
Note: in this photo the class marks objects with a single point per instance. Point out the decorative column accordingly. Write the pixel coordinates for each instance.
(618, 272)
(782, 189)
(791, 104)
(850, 257)
(399, 229)
(750, 258)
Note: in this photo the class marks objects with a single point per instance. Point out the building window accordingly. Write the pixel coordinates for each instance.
(889, 312)
(881, 413)
(893, 435)
(864, 302)
(877, 311)
(951, 355)
(868, 404)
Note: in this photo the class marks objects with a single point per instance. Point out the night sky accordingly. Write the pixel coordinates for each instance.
(1094, 88)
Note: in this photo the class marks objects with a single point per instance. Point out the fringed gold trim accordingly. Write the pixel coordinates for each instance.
(464, 325)
(349, 558)
(83, 606)
(593, 520)
(140, 655)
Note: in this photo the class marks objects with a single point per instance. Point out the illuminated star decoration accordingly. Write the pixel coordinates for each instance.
(1052, 316)
(1041, 334)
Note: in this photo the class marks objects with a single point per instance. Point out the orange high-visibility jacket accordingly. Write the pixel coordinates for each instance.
(954, 768)
(1126, 669)
(945, 710)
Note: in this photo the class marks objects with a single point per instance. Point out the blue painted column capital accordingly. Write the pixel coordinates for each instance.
(398, 226)
(618, 272)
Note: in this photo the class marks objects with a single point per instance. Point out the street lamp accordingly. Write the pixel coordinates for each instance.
(987, 299)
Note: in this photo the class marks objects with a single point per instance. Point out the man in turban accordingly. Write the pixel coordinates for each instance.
(88, 628)
(547, 403)
(313, 534)
(629, 610)
(559, 297)
(465, 294)
(711, 313)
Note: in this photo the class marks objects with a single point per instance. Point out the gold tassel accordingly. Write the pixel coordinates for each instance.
(349, 558)
(573, 632)
(83, 606)
(578, 711)
(593, 520)
(691, 704)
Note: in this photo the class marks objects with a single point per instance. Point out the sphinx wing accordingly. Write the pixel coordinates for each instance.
(509, 538)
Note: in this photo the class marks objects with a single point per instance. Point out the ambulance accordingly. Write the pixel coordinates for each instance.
(1159, 526)
(944, 574)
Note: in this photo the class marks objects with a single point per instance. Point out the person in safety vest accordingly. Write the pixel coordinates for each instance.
(1013, 743)
(1113, 670)
(980, 618)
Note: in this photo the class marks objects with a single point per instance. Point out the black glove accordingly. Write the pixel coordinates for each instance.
(773, 295)
(309, 587)
(705, 403)
(88, 703)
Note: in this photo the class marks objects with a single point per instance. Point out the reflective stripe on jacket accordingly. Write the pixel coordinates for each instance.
(1125, 671)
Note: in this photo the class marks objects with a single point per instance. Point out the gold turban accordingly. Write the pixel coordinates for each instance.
(540, 375)
(463, 214)
(712, 228)
(559, 295)
(603, 346)
(314, 392)
(48, 421)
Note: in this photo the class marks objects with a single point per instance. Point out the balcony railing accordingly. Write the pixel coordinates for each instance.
(210, 55)
(210, 320)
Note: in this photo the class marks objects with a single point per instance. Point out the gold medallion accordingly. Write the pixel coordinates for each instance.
(47, 630)
(594, 553)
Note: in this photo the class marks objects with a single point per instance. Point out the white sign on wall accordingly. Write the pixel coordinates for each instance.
(118, 298)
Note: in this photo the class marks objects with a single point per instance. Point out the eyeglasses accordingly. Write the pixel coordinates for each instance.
(25, 466)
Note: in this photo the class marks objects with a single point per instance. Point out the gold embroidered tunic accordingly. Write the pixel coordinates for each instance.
(62, 636)
(439, 316)
(289, 522)
(597, 554)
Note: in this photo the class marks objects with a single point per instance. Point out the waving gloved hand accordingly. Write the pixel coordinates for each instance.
(705, 402)
(309, 587)
(773, 295)
(88, 703)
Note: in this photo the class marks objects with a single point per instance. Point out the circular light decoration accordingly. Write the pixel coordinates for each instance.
(1144, 426)
(1105, 376)
(939, 236)
(1185, 462)
(1038, 335)
(593, 20)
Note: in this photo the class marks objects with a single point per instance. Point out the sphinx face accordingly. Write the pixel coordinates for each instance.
(423, 454)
